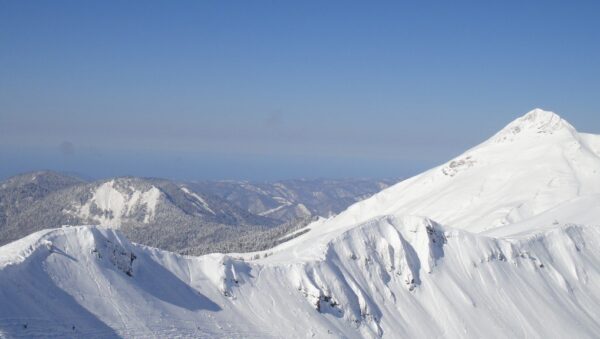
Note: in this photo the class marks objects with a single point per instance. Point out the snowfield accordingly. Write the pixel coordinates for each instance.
(502, 241)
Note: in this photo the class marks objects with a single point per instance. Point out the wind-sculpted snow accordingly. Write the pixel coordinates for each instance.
(391, 276)
(536, 121)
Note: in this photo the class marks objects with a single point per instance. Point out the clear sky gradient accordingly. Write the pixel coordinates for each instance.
(281, 89)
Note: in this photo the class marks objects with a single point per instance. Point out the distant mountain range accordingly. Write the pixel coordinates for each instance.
(291, 199)
(191, 218)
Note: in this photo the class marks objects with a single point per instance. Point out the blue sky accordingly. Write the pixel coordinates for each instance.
(281, 89)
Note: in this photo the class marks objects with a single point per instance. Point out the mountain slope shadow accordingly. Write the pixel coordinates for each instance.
(161, 283)
(41, 312)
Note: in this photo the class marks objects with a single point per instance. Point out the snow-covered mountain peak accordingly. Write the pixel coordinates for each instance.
(539, 114)
(534, 122)
(536, 163)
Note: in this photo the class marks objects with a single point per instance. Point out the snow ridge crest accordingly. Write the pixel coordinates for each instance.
(536, 121)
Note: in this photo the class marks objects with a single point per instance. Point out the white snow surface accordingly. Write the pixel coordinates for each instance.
(534, 164)
(116, 204)
(514, 251)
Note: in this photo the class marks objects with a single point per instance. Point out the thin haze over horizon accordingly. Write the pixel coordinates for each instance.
(267, 90)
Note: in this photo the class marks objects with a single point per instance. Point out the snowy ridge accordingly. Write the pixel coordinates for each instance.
(592, 142)
(392, 275)
(386, 277)
(514, 251)
(536, 121)
(491, 185)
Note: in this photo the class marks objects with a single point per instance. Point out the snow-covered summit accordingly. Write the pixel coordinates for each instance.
(494, 184)
(536, 121)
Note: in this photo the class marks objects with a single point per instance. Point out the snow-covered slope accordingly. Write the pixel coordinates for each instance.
(514, 251)
(112, 204)
(536, 163)
(391, 277)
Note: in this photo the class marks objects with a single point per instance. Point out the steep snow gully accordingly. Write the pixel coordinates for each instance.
(502, 241)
